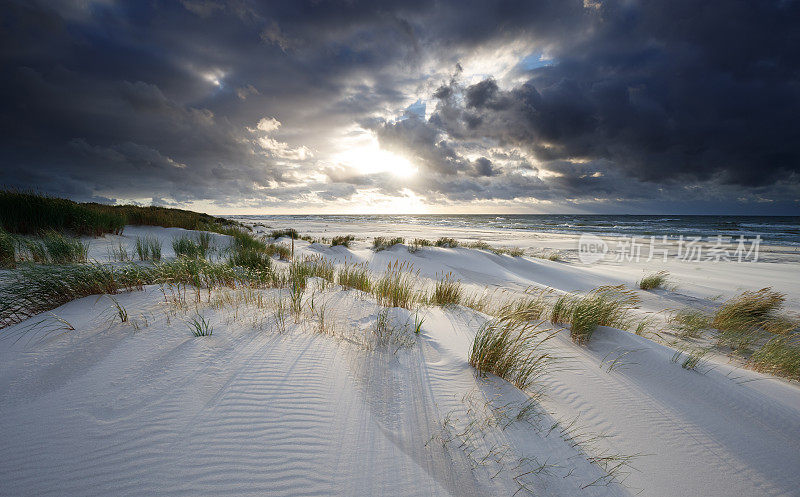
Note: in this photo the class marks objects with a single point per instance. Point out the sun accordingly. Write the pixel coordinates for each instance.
(366, 156)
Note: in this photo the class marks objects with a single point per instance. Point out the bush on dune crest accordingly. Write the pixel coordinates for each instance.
(33, 213)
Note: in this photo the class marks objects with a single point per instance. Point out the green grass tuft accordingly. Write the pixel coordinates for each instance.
(8, 250)
(741, 320)
(288, 232)
(448, 292)
(653, 281)
(200, 327)
(397, 286)
(382, 243)
(603, 306)
(779, 356)
(148, 248)
(446, 242)
(196, 247)
(344, 240)
(510, 349)
(690, 323)
(355, 276)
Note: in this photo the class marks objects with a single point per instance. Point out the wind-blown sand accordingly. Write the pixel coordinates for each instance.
(145, 408)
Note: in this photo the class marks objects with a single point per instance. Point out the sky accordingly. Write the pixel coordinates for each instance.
(407, 106)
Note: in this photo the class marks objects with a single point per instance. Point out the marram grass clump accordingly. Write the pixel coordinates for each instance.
(447, 292)
(355, 276)
(382, 243)
(653, 281)
(511, 349)
(148, 248)
(397, 287)
(8, 250)
(741, 320)
(343, 240)
(779, 356)
(603, 306)
(690, 323)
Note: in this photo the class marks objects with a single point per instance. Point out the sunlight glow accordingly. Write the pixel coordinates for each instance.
(367, 157)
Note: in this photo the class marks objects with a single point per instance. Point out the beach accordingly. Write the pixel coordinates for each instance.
(348, 396)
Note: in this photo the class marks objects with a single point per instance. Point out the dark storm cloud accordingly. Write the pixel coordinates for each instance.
(642, 101)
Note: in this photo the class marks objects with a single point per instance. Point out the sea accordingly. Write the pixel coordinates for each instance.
(773, 230)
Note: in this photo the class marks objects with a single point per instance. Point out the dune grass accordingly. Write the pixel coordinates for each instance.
(530, 307)
(51, 248)
(254, 259)
(603, 306)
(33, 289)
(343, 240)
(397, 286)
(690, 323)
(8, 250)
(481, 245)
(779, 356)
(653, 281)
(382, 243)
(355, 276)
(200, 327)
(118, 253)
(193, 247)
(148, 248)
(288, 232)
(550, 255)
(418, 243)
(447, 292)
(283, 252)
(64, 250)
(510, 349)
(741, 320)
(446, 242)
(33, 213)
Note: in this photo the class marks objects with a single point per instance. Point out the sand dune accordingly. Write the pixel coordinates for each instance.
(145, 408)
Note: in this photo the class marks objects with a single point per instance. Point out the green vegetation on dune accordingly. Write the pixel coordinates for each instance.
(32, 213)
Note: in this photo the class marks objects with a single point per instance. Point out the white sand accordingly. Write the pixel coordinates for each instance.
(116, 409)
